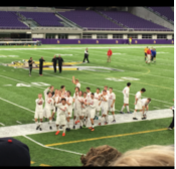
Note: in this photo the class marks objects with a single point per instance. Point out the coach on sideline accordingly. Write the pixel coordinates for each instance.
(54, 60)
(60, 61)
(86, 55)
(41, 66)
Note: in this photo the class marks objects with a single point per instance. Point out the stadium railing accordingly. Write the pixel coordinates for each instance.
(37, 43)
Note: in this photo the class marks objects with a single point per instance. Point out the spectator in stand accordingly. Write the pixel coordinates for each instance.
(154, 155)
(109, 54)
(14, 153)
(100, 156)
(148, 56)
(130, 40)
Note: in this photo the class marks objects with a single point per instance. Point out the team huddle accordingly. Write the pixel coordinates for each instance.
(86, 106)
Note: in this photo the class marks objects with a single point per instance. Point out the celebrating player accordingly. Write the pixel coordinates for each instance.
(76, 82)
(138, 103)
(69, 102)
(97, 98)
(39, 111)
(126, 93)
(111, 102)
(61, 116)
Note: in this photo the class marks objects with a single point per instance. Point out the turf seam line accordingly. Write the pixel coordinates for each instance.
(105, 137)
(42, 145)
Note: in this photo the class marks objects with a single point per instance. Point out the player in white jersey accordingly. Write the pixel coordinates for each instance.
(126, 94)
(39, 111)
(145, 107)
(84, 110)
(107, 91)
(63, 92)
(111, 103)
(76, 82)
(78, 105)
(49, 102)
(56, 97)
(97, 98)
(88, 92)
(69, 101)
(138, 103)
(104, 107)
(92, 108)
(61, 116)
(74, 100)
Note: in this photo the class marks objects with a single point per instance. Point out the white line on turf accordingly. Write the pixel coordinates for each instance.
(103, 86)
(156, 108)
(16, 105)
(58, 149)
(2, 124)
(18, 122)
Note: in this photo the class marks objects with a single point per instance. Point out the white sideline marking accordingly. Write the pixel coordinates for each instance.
(2, 124)
(33, 120)
(58, 149)
(103, 86)
(8, 85)
(156, 107)
(16, 105)
(18, 122)
(72, 48)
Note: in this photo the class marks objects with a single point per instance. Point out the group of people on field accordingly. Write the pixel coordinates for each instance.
(150, 55)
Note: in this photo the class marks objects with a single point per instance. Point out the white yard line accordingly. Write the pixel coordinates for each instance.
(16, 105)
(2, 124)
(18, 122)
(58, 149)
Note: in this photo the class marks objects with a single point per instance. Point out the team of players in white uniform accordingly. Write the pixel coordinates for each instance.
(86, 106)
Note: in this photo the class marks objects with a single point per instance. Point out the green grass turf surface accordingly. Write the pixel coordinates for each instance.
(157, 78)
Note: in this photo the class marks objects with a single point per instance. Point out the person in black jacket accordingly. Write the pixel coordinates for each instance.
(54, 60)
(60, 61)
(172, 123)
(41, 66)
(30, 61)
(86, 55)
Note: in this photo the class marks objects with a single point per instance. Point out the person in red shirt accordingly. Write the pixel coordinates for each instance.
(148, 56)
(109, 54)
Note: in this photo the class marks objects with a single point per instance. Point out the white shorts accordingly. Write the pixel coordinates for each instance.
(77, 112)
(53, 109)
(112, 109)
(47, 112)
(69, 111)
(87, 112)
(126, 100)
(148, 58)
(98, 108)
(138, 106)
(61, 120)
(104, 110)
(83, 112)
(38, 114)
(92, 114)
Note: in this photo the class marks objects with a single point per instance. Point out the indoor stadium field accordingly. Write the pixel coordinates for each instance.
(18, 92)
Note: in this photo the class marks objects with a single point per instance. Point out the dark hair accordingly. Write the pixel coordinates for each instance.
(49, 92)
(104, 90)
(111, 88)
(129, 84)
(88, 88)
(92, 94)
(84, 92)
(143, 90)
(69, 92)
(149, 99)
(62, 87)
(63, 99)
(98, 88)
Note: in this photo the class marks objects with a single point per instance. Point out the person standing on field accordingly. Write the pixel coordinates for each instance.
(60, 61)
(148, 56)
(54, 60)
(41, 66)
(30, 61)
(109, 54)
(86, 56)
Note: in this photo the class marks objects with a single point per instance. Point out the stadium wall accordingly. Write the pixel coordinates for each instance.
(104, 41)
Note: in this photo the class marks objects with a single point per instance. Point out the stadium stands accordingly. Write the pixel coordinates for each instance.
(164, 11)
(89, 19)
(43, 19)
(131, 21)
(9, 20)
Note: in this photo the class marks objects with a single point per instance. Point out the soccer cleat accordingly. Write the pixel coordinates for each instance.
(121, 112)
(129, 112)
(68, 129)
(77, 122)
(92, 129)
(169, 128)
(63, 134)
(57, 133)
(134, 118)
(99, 124)
(50, 128)
(113, 121)
(143, 118)
(38, 127)
(80, 127)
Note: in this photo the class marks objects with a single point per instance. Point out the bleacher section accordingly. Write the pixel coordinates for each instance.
(164, 11)
(9, 20)
(90, 20)
(131, 21)
(43, 19)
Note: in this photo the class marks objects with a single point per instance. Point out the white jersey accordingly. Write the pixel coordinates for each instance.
(46, 95)
(104, 103)
(84, 100)
(97, 98)
(78, 104)
(70, 100)
(49, 103)
(107, 92)
(64, 94)
(126, 92)
(78, 85)
(62, 109)
(112, 97)
(138, 95)
(56, 98)
(88, 96)
(92, 103)
(144, 102)
(39, 104)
